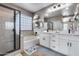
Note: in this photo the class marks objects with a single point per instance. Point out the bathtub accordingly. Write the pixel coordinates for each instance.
(29, 41)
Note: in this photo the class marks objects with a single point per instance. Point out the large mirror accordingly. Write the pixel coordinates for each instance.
(54, 24)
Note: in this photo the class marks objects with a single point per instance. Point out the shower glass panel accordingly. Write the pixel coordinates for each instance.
(9, 30)
(17, 27)
(6, 30)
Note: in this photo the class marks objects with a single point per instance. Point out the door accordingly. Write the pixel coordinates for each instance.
(74, 48)
(9, 31)
(6, 30)
(63, 46)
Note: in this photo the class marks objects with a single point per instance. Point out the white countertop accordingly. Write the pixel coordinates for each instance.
(76, 34)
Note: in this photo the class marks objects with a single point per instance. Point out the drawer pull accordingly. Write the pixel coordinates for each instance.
(53, 35)
(43, 38)
(68, 44)
(53, 46)
(53, 40)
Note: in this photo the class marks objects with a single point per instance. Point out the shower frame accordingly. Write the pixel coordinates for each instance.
(14, 30)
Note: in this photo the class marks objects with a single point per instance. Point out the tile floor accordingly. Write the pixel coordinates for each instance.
(49, 52)
(43, 51)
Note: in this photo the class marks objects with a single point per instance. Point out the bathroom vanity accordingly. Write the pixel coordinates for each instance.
(64, 37)
(67, 44)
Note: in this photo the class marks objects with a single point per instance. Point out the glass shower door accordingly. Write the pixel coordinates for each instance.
(6, 30)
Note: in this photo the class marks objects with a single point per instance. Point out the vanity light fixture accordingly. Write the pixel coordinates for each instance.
(66, 19)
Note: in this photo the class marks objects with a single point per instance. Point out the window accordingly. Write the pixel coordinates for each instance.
(26, 22)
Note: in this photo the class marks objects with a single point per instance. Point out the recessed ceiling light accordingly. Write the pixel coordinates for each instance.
(54, 6)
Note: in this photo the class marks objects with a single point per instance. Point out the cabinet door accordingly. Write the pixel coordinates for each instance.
(63, 46)
(74, 48)
(45, 41)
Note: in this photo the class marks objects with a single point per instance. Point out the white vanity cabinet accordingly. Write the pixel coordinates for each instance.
(74, 45)
(74, 48)
(69, 45)
(63, 43)
(54, 42)
(59, 43)
(44, 40)
(63, 46)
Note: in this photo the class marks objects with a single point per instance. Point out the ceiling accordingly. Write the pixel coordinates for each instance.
(63, 12)
(32, 7)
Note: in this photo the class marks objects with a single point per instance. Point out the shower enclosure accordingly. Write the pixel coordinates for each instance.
(9, 29)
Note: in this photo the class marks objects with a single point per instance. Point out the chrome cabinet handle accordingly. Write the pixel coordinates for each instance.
(53, 35)
(53, 46)
(70, 44)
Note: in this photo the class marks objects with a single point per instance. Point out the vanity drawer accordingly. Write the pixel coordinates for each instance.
(54, 47)
(54, 44)
(44, 41)
(54, 40)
